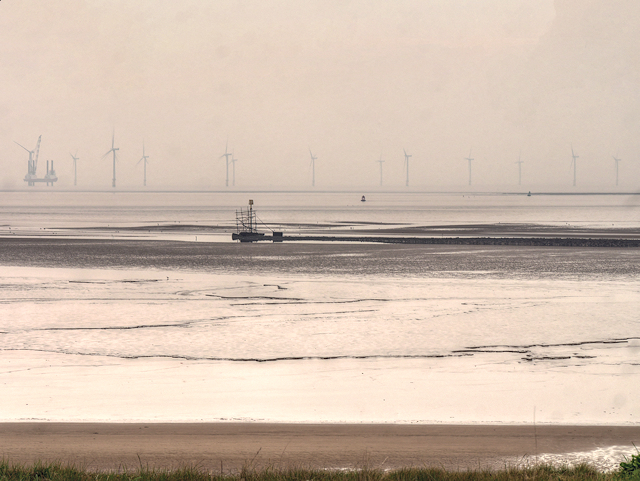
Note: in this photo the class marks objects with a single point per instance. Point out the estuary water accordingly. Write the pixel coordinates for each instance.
(138, 307)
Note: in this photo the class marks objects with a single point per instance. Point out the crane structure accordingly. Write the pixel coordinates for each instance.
(32, 177)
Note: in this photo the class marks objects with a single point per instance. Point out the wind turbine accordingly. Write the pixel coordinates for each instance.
(75, 170)
(33, 162)
(469, 159)
(406, 165)
(380, 162)
(233, 162)
(226, 155)
(520, 162)
(113, 149)
(574, 163)
(615, 157)
(313, 168)
(144, 159)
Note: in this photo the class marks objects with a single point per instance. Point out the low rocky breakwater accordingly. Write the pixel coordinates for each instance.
(492, 241)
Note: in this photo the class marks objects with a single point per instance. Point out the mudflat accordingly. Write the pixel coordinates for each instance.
(227, 447)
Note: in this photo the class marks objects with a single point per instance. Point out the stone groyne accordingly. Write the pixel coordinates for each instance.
(483, 241)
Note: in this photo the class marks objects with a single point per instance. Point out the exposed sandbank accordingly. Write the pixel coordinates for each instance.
(216, 446)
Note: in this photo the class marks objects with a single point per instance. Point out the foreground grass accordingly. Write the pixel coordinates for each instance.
(57, 472)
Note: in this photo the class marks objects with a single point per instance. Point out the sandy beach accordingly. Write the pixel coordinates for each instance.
(230, 446)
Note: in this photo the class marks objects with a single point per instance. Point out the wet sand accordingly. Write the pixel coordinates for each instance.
(228, 447)
(321, 258)
(372, 229)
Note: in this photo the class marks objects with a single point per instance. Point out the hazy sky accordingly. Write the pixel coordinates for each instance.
(352, 80)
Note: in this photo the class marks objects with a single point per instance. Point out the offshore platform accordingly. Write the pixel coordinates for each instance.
(31, 178)
(247, 227)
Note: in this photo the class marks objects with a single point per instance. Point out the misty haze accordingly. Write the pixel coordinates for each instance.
(352, 81)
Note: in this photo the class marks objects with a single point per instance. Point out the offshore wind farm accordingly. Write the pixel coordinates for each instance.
(230, 164)
(430, 91)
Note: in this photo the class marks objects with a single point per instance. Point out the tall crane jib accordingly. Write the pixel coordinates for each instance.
(32, 177)
(35, 162)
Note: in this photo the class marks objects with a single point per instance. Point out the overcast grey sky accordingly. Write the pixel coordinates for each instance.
(352, 80)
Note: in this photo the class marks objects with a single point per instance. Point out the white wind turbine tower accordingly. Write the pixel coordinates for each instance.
(406, 165)
(144, 159)
(470, 160)
(75, 170)
(574, 163)
(380, 162)
(233, 164)
(113, 149)
(615, 157)
(313, 168)
(520, 162)
(226, 155)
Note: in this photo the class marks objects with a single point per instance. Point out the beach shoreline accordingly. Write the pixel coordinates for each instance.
(228, 447)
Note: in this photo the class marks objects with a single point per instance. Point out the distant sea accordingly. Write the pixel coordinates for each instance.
(40, 208)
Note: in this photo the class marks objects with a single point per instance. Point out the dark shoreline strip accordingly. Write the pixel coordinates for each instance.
(484, 241)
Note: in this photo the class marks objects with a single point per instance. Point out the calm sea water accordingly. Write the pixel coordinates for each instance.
(69, 209)
(190, 331)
